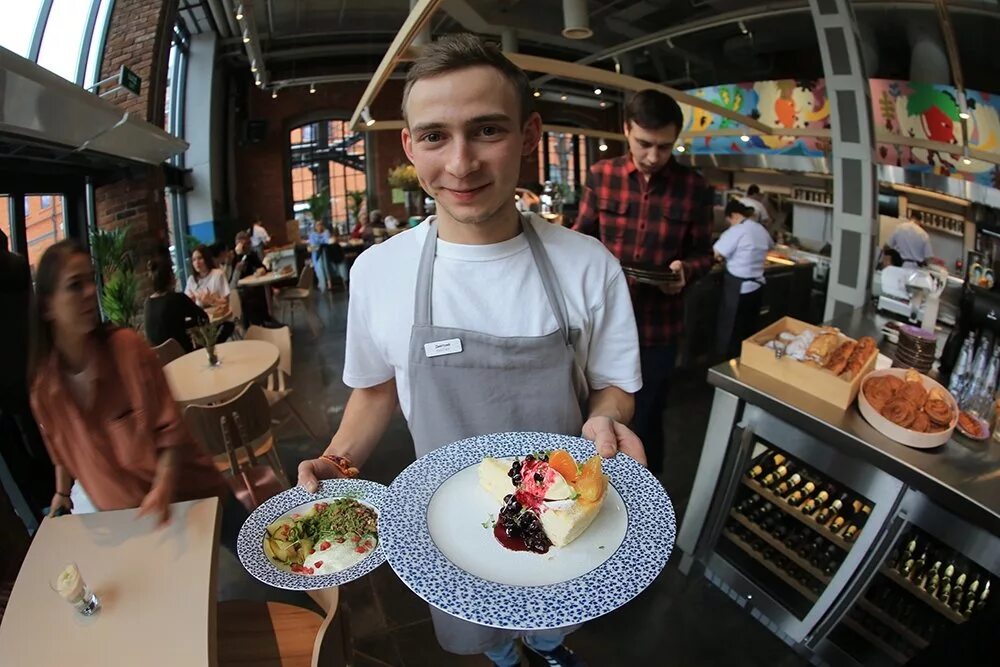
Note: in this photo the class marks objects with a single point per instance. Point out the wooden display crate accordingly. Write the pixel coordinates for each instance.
(805, 377)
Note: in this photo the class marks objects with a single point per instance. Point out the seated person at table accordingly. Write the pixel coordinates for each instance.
(253, 297)
(223, 256)
(169, 313)
(366, 223)
(104, 407)
(207, 285)
(319, 237)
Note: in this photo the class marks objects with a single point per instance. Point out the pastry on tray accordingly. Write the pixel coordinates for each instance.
(908, 404)
(547, 498)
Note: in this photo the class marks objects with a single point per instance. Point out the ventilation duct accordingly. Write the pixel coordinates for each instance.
(928, 57)
(576, 20)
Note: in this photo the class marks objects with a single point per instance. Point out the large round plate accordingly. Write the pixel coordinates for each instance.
(250, 545)
(435, 530)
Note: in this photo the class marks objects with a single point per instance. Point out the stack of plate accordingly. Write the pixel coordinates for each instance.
(652, 276)
(917, 348)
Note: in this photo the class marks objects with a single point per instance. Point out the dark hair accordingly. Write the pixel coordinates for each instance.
(653, 110)
(736, 206)
(3, 240)
(161, 273)
(217, 249)
(462, 51)
(206, 255)
(753, 190)
(50, 268)
(242, 235)
(916, 216)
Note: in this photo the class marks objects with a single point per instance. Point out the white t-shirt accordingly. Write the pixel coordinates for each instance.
(912, 243)
(745, 247)
(493, 289)
(760, 213)
(214, 283)
(259, 236)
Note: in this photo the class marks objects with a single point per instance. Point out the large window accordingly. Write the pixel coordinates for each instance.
(5, 214)
(564, 160)
(44, 224)
(327, 156)
(63, 36)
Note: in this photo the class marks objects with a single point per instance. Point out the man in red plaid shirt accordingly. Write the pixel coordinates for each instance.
(654, 213)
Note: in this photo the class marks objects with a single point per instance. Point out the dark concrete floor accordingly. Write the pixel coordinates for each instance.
(676, 621)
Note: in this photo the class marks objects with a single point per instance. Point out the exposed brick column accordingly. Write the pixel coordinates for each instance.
(139, 37)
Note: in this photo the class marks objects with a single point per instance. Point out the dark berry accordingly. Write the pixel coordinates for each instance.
(529, 458)
(539, 477)
(516, 479)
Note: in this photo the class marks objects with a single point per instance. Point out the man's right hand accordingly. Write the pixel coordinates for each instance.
(60, 505)
(313, 470)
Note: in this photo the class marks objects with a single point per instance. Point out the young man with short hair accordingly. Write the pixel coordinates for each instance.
(548, 338)
(652, 212)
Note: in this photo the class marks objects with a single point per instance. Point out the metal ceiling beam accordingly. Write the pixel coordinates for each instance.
(417, 19)
(594, 75)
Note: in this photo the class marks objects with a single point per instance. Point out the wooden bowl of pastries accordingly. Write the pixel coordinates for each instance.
(908, 407)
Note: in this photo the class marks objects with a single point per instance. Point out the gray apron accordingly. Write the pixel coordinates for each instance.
(493, 385)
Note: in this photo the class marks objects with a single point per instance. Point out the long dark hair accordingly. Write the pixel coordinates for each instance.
(50, 268)
(206, 255)
(736, 206)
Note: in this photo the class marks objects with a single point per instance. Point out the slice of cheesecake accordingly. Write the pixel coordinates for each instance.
(563, 503)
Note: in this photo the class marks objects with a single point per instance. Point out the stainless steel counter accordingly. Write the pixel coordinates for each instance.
(963, 476)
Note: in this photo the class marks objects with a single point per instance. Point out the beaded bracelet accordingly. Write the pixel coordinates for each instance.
(342, 464)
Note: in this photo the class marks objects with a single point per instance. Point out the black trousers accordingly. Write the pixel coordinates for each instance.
(650, 401)
(26, 459)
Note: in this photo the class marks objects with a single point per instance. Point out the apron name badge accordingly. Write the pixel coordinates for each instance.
(443, 347)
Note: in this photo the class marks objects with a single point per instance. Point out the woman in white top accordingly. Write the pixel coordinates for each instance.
(744, 248)
(207, 285)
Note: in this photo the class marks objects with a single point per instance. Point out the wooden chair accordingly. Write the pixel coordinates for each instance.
(237, 433)
(168, 351)
(278, 391)
(236, 308)
(301, 296)
(274, 634)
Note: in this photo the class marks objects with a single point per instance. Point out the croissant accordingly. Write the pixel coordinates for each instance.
(837, 361)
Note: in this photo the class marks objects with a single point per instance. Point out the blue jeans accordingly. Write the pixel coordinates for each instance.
(507, 656)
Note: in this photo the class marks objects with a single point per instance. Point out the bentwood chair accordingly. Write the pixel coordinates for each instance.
(278, 392)
(168, 351)
(300, 296)
(237, 433)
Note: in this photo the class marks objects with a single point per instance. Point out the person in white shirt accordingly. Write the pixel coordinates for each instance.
(753, 200)
(259, 238)
(206, 285)
(547, 339)
(912, 242)
(744, 247)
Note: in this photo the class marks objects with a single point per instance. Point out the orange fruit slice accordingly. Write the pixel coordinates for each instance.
(591, 483)
(563, 463)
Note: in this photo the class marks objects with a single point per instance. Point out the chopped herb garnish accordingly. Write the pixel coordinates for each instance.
(601, 547)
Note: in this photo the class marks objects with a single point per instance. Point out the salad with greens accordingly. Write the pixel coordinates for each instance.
(330, 530)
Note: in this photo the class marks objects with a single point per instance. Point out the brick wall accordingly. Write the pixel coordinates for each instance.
(138, 37)
(263, 185)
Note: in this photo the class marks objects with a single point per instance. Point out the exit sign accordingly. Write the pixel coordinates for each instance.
(129, 80)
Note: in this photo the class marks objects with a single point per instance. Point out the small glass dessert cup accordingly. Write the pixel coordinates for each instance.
(71, 587)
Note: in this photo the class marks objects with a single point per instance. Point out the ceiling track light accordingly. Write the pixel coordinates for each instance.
(681, 148)
(253, 66)
(366, 115)
(743, 28)
(246, 36)
(604, 104)
(563, 98)
(239, 11)
(537, 93)
(603, 146)
(274, 94)
(745, 138)
(598, 91)
(312, 88)
(963, 106)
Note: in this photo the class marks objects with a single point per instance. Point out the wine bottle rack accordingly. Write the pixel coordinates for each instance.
(909, 635)
(795, 513)
(771, 567)
(876, 641)
(923, 595)
(780, 547)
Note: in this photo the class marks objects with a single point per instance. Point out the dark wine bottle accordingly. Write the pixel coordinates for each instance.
(858, 520)
(788, 485)
(777, 474)
(748, 504)
(799, 495)
(767, 463)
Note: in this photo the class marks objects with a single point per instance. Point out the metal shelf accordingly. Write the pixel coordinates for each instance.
(771, 567)
(779, 546)
(921, 594)
(794, 512)
(894, 625)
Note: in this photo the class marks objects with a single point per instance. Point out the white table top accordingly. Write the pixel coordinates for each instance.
(241, 362)
(266, 279)
(157, 591)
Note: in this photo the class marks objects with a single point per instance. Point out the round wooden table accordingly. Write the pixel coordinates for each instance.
(266, 279)
(193, 381)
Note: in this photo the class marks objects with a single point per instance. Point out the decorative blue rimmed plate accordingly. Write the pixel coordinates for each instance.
(436, 531)
(250, 545)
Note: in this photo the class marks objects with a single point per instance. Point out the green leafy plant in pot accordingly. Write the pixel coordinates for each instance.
(206, 335)
(118, 282)
(319, 204)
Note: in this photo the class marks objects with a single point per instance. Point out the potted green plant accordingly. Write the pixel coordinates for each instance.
(206, 335)
(319, 204)
(119, 286)
(406, 188)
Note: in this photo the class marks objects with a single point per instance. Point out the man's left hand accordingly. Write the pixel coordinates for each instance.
(612, 437)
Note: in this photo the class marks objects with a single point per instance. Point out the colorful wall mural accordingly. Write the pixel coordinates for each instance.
(923, 111)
